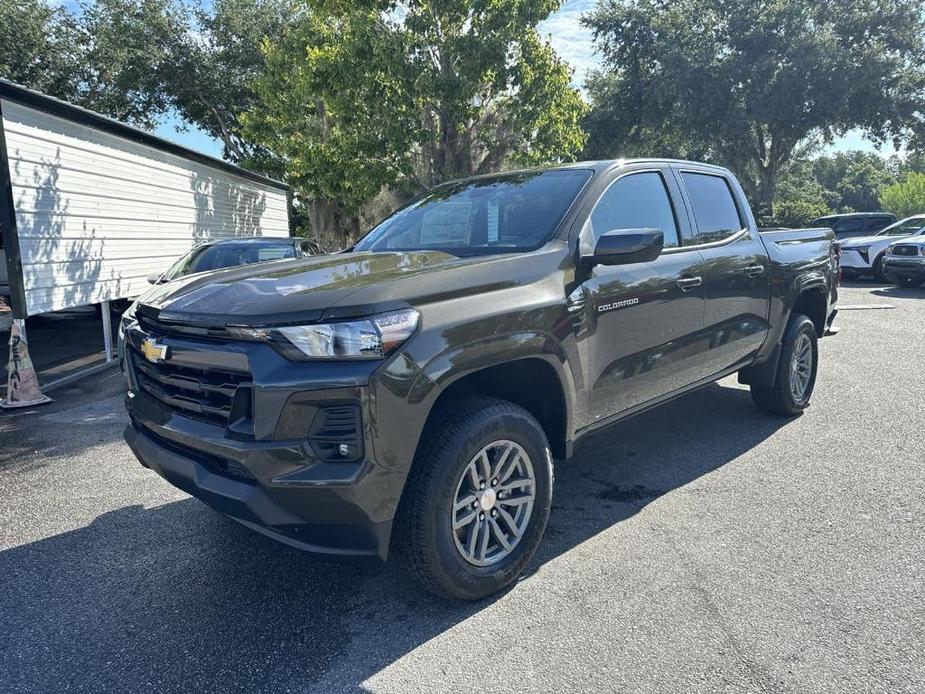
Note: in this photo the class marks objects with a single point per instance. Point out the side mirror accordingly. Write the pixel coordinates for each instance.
(155, 277)
(627, 246)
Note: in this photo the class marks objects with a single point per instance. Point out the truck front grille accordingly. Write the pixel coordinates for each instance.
(151, 324)
(213, 396)
(905, 250)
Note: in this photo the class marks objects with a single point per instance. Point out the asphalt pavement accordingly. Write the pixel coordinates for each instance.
(701, 547)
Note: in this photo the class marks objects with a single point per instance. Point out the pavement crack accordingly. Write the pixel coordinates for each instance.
(761, 678)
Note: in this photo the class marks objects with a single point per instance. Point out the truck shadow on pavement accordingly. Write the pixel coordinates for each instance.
(178, 598)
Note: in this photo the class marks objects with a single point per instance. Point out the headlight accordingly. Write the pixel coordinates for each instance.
(370, 338)
(859, 249)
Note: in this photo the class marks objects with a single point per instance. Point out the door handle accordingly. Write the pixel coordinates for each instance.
(754, 270)
(688, 283)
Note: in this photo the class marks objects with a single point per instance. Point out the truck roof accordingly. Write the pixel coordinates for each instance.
(596, 165)
(600, 164)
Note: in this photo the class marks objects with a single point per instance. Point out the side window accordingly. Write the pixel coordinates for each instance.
(849, 227)
(636, 201)
(714, 206)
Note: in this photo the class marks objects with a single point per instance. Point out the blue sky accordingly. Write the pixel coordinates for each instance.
(571, 40)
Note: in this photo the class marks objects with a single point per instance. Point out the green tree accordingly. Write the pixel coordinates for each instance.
(746, 82)
(853, 180)
(907, 197)
(38, 44)
(136, 60)
(362, 95)
(101, 56)
(799, 197)
(211, 64)
(334, 106)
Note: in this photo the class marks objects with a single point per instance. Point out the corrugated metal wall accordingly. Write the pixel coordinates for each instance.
(96, 213)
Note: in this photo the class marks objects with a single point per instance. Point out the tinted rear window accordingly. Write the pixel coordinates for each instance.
(714, 206)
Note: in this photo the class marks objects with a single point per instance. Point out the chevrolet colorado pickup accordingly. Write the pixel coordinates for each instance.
(414, 390)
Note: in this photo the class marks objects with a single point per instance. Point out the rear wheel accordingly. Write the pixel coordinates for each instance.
(478, 499)
(795, 379)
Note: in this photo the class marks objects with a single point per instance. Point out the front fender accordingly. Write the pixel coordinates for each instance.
(453, 364)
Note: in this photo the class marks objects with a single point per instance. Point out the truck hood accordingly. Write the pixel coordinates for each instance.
(309, 289)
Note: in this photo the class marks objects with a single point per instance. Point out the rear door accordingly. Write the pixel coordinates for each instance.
(645, 317)
(736, 269)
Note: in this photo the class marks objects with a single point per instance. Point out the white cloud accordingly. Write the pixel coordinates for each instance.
(571, 40)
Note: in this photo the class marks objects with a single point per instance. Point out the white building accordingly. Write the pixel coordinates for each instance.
(89, 206)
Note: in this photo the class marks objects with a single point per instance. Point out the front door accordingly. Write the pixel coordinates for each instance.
(646, 317)
(736, 271)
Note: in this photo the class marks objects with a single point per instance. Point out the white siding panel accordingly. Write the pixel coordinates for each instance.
(97, 213)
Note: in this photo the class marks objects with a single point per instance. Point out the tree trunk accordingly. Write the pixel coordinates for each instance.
(767, 184)
(322, 216)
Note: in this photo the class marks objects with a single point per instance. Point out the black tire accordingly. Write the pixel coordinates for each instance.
(779, 398)
(877, 269)
(907, 282)
(424, 535)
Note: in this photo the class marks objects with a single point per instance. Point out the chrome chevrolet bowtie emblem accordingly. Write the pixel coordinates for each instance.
(153, 351)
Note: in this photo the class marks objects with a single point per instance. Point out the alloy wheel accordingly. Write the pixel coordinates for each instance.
(493, 503)
(801, 367)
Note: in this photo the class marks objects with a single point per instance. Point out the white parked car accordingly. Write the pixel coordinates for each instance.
(904, 262)
(864, 255)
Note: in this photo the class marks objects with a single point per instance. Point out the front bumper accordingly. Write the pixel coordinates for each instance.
(313, 507)
(912, 267)
(853, 260)
(265, 468)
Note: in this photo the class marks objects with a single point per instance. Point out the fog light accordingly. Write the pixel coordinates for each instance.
(344, 450)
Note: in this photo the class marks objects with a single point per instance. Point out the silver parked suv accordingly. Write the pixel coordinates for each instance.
(904, 262)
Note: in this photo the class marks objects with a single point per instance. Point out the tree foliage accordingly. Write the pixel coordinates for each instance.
(744, 83)
(136, 60)
(852, 181)
(906, 197)
(214, 57)
(101, 57)
(361, 94)
(800, 197)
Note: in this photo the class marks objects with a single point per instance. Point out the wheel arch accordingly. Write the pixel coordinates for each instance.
(530, 370)
(810, 300)
(813, 303)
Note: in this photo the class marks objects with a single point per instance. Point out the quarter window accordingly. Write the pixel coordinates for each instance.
(636, 201)
(714, 206)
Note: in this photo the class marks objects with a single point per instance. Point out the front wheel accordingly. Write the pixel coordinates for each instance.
(796, 371)
(877, 269)
(478, 498)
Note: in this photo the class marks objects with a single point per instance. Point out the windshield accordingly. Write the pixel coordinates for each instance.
(219, 255)
(500, 214)
(905, 227)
